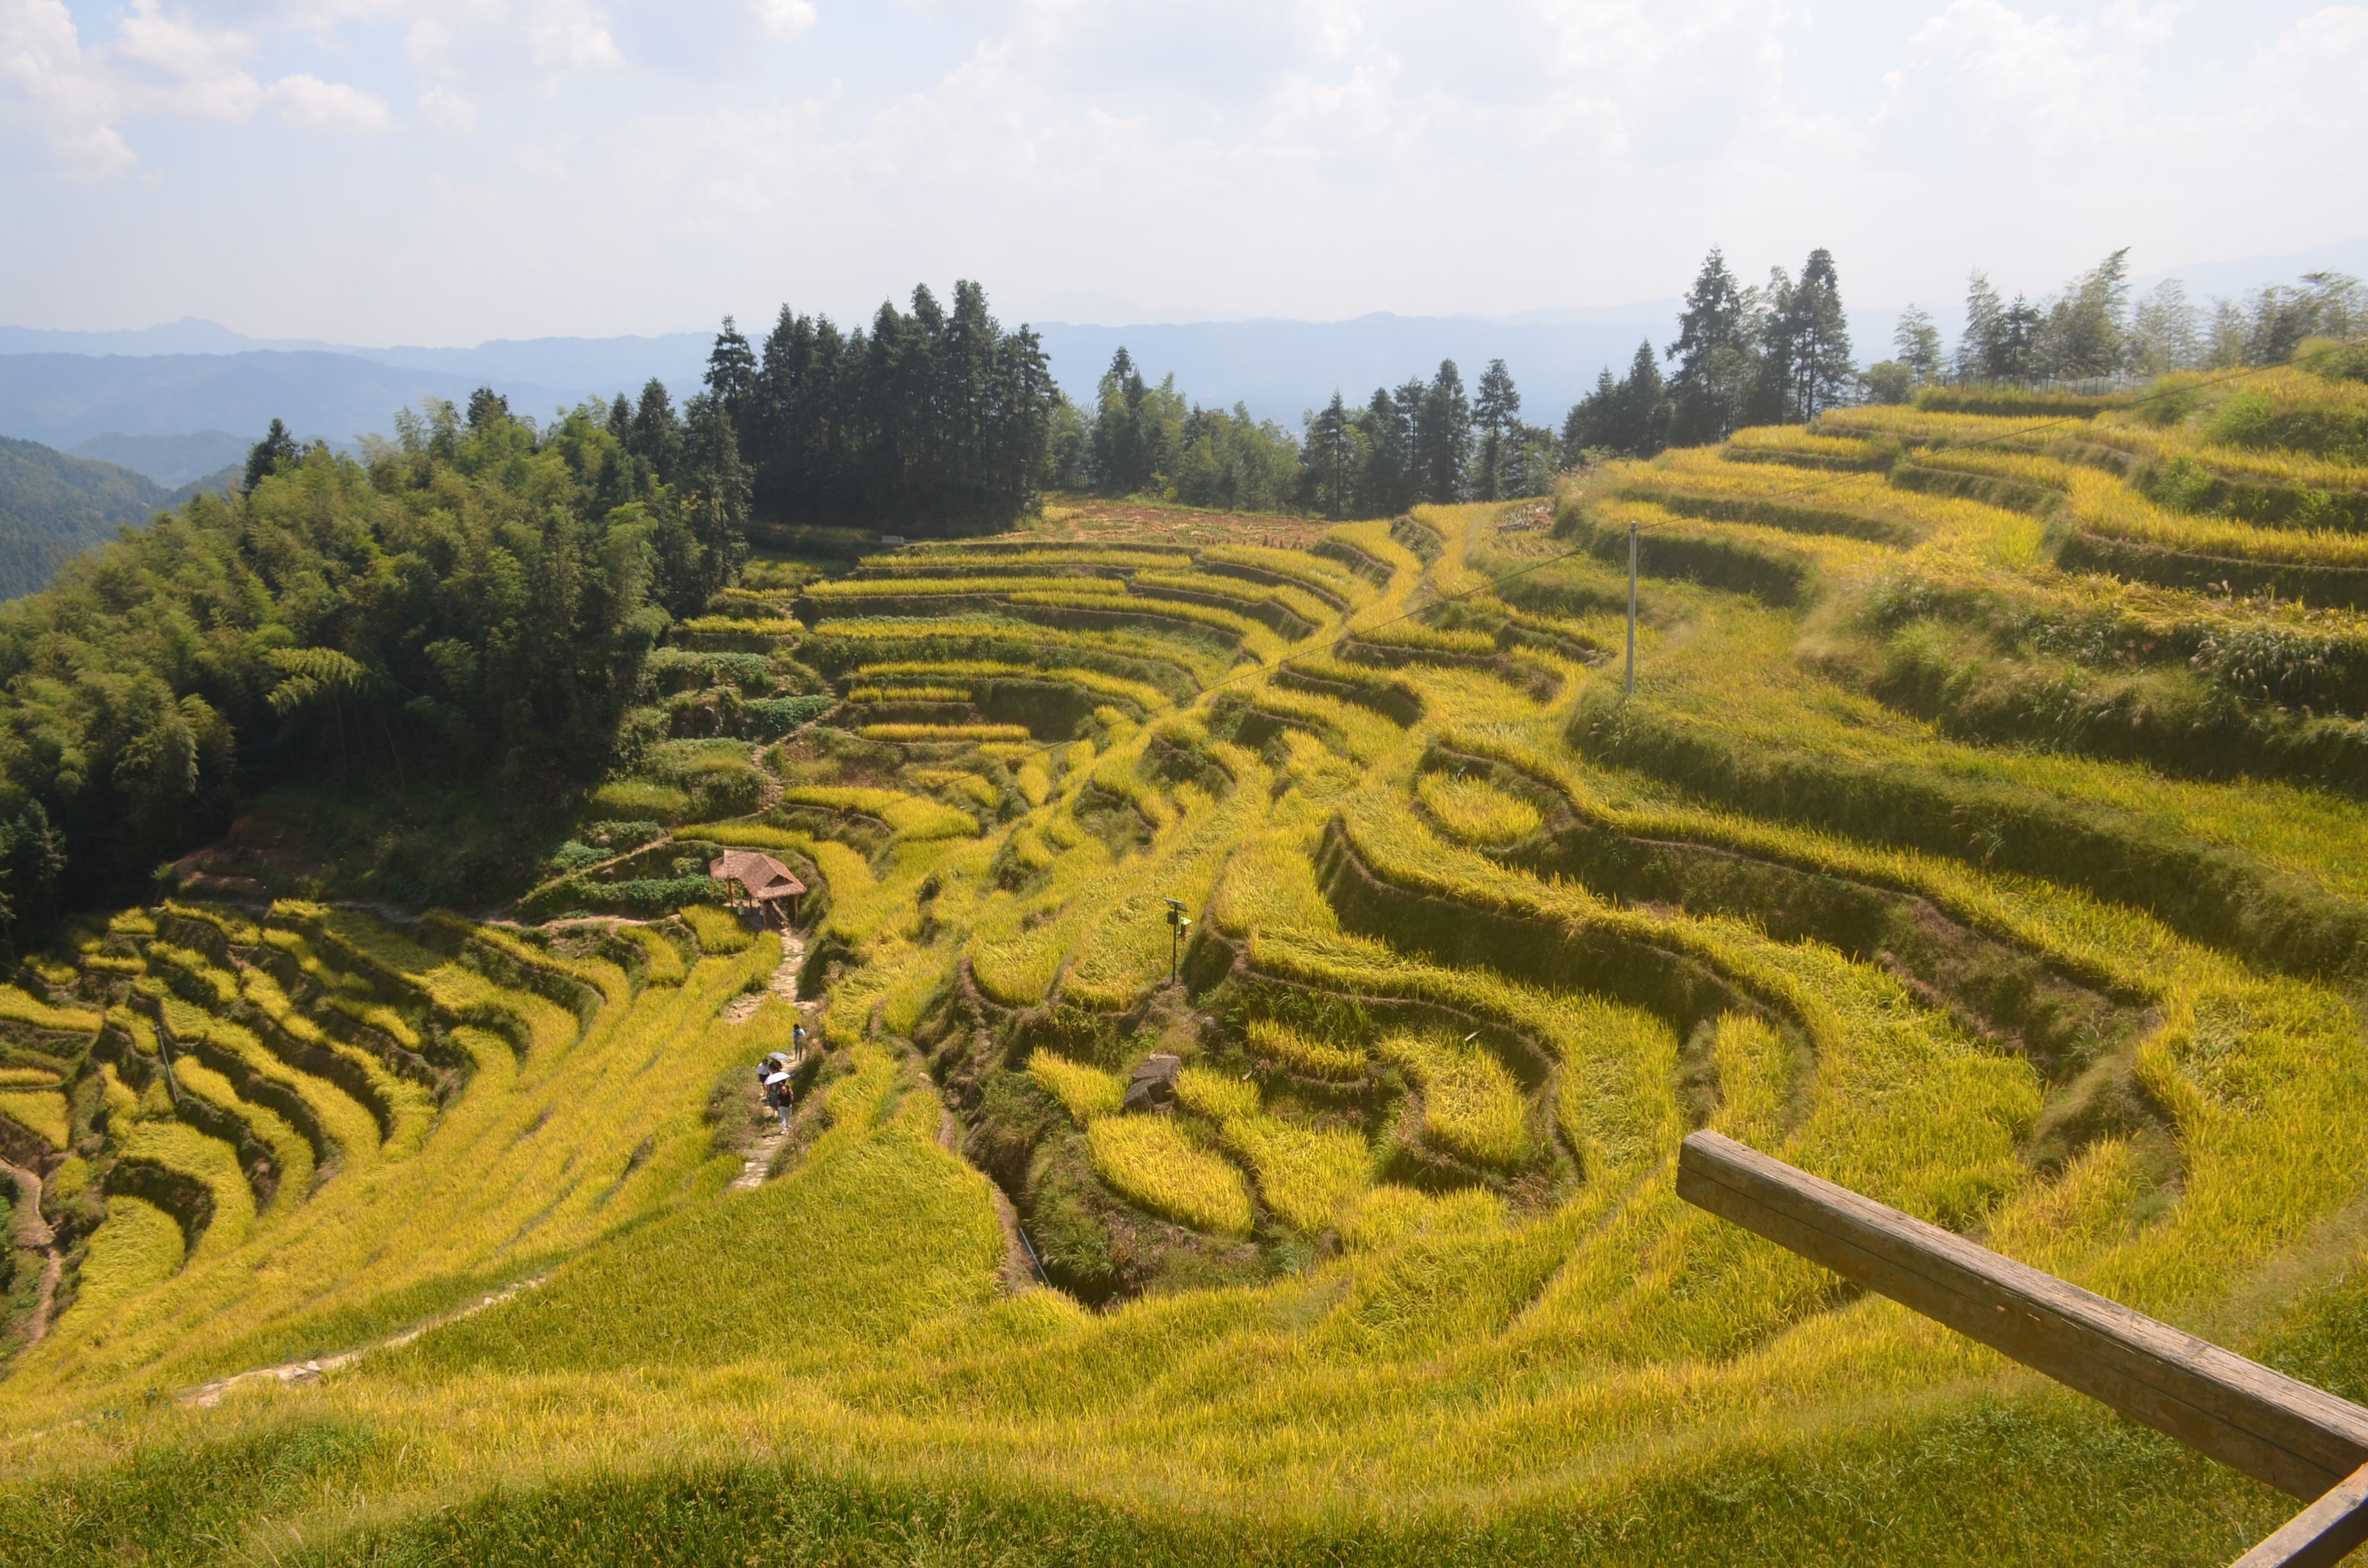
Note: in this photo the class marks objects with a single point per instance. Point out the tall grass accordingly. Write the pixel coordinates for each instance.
(1150, 1160)
(1561, 1362)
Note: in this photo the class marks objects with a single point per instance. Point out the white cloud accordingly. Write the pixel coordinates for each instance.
(2024, 83)
(2318, 63)
(315, 105)
(56, 89)
(1302, 156)
(568, 35)
(448, 110)
(783, 18)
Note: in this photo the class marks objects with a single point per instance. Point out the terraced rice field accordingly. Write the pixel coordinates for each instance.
(1926, 856)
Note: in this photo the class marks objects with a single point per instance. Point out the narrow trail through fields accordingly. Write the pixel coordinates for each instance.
(739, 1010)
(33, 1234)
(205, 1396)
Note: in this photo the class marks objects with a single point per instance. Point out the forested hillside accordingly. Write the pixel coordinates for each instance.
(53, 507)
(1987, 831)
(454, 625)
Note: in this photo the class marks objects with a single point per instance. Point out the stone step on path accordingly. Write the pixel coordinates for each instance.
(739, 1010)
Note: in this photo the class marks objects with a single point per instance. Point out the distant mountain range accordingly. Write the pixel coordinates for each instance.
(89, 391)
(71, 389)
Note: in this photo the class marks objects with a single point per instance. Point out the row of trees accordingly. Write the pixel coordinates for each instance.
(1745, 354)
(2091, 327)
(934, 419)
(1424, 441)
(938, 420)
(467, 607)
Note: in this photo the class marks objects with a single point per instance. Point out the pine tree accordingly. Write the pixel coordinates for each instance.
(1443, 437)
(1386, 486)
(654, 436)
(714, 498)
(1640, 407)
(1121, 466)
(1715, 355)
(265, 458)
(1328, 460)
(487, 407)
(1587, 428)
(731, 378)
(1496, 412)
(1818, 338)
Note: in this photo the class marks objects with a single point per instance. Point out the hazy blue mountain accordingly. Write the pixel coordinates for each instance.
(1282, 369)
(187, 335)
(577, 367)
(169, 459)
(191, 375)
(53, 507)
(61, 399)
(2233, 280)
(222, 480)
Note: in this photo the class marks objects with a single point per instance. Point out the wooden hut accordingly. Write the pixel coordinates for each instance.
(766, 885)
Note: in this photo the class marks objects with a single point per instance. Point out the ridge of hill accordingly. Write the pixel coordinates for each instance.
(52, 506)
(63, 399)
(169, 459)
(1987, 831)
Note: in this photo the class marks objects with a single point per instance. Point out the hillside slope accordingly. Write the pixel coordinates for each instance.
(53, 507)
(1927, 855)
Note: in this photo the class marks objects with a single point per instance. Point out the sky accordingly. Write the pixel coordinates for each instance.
(447, 171)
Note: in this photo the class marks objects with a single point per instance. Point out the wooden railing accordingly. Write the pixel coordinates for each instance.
(2300, 1440)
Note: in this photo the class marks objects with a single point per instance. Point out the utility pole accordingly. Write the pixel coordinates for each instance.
(1632, 610)
(1176, 925)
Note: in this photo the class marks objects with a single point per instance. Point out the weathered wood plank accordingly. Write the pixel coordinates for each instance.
(2300, 1440)
(2321, 1534)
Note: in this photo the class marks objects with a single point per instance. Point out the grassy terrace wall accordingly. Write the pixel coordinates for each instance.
(1362, 1235)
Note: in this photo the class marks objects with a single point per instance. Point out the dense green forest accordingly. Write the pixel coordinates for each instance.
(466, 609)
(934, 421)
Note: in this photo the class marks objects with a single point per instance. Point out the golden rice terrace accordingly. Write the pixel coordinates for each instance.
(1988, 833)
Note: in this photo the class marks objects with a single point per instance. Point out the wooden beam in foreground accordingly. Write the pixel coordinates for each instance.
(2300, 1440)
(2321, 1534)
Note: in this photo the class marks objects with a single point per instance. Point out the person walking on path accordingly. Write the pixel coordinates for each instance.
(773, 1072)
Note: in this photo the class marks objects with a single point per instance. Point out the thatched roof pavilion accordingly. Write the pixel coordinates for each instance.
(764, 880)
